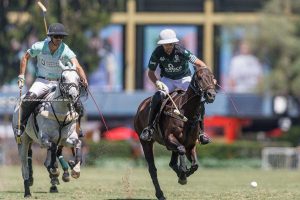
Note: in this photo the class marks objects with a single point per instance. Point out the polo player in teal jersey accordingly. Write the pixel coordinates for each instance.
(48, 52)
(173, 61)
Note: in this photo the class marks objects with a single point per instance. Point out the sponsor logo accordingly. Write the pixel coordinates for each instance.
(162, 59)
(176, 58)
(172, 69)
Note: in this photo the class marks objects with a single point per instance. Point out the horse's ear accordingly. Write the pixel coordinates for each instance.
(62, 65)
(71, 65)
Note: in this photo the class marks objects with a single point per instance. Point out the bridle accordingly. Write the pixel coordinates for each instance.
(204, 84)
(65, 87)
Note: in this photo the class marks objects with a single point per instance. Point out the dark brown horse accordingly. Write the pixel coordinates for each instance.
(171, 130)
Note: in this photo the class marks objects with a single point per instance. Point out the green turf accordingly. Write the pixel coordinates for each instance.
(134, 183)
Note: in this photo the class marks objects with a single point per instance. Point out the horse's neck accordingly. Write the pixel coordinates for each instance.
(60, 104)
(191, 103)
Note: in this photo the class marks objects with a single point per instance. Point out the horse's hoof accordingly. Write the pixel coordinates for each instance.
(66, 176)
(182, 181)
(53, 189)
(75, 174)
(160, 196)
(27, 195)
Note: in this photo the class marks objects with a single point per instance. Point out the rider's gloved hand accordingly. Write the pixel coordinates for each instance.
(215, 81)
(161, 86)
(21, 80)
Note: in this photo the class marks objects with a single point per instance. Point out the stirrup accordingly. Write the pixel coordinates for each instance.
(19, 132)
(204, 139)
(146, 134)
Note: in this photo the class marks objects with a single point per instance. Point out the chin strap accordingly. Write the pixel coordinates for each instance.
(53, 42)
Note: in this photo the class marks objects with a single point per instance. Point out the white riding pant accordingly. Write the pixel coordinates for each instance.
(182, 83)
(41, 86)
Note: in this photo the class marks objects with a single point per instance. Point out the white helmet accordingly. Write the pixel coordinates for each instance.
(167, 36)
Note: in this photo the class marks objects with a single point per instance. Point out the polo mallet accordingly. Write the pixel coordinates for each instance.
(44, 9)
(19, 120)
(176, 111)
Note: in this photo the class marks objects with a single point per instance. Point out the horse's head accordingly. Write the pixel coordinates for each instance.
(69, 83)
(203, 84)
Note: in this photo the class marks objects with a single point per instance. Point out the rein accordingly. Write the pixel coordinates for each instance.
(61, 125)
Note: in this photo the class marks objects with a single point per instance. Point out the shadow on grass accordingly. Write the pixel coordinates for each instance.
(130, 199)
(17, 192)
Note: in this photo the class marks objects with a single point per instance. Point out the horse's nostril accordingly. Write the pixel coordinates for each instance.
(211, 95)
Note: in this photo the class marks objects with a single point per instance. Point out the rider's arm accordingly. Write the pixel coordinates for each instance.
(152, 76)
(152, 65)
(80, 71)
(200, 63)
(23, 63)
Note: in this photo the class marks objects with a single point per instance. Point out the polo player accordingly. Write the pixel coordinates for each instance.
(173, 61)
(48, 52)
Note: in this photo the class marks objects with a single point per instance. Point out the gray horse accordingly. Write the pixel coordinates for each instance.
(52, 124)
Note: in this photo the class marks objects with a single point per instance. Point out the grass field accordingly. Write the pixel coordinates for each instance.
(134, 183)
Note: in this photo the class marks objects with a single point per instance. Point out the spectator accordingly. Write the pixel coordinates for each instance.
(245, 70)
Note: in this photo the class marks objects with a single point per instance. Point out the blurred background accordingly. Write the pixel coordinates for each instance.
(253, 47)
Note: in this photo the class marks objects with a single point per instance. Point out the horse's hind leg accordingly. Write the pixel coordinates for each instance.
(53, 178)
(23, 154)
(148, 151)
(192, 157)
(30, 170)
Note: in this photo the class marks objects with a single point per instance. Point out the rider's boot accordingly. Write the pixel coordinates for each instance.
(203, 137)
(156, 100)
(27, 107)
(147, 133)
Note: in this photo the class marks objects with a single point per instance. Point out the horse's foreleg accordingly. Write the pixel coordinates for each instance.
(174, 162)
(64, 164)
(74, 142)
(53, 168)
(182, 170)
(23, 154)
(192, 157)
(148, 151)
(174, 145)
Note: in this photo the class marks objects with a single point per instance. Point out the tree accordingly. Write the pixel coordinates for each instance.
(278, 40)
(82, 18)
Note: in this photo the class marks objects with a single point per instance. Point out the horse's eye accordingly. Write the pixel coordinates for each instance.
(63, 78)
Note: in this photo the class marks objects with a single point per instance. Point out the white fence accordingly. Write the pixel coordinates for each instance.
(280, 158)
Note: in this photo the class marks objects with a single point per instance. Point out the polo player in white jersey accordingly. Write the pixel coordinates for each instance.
(48, 53)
